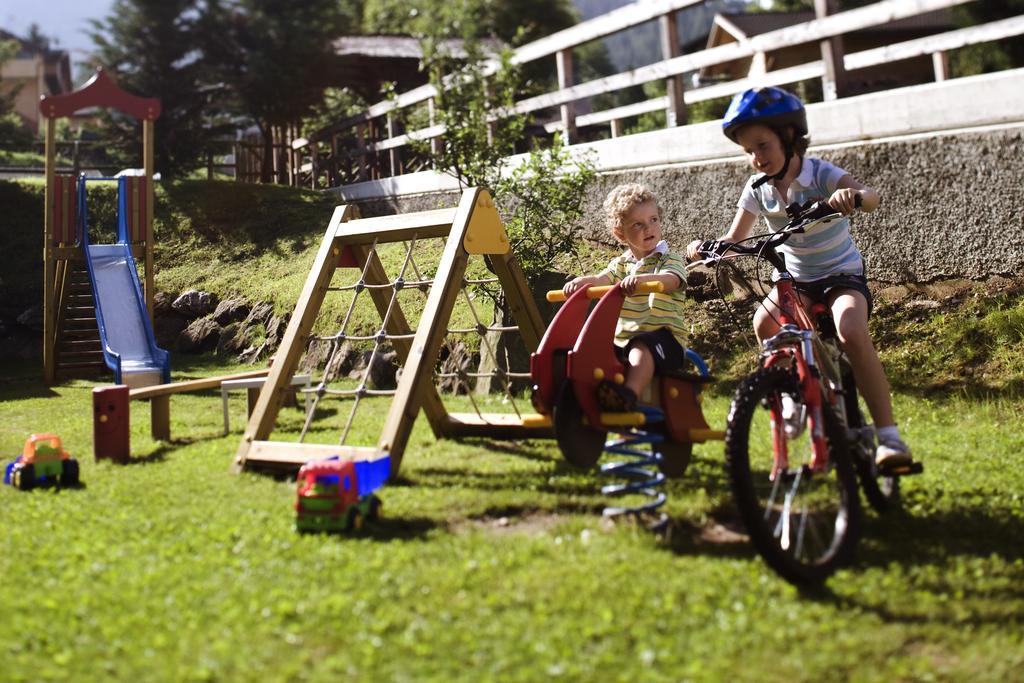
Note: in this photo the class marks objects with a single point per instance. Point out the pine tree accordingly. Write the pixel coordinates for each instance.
(150, 47)
(274, 57)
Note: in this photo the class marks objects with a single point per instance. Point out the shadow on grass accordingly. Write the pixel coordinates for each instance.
(388, 529)
(158, 455)
(901, 538)
(23, 380)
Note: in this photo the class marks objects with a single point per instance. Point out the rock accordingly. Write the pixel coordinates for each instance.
(167, 326)
(195, 304)
(227, 343)
(32, 318)
(201, 335)
(231, 311)
(381, 375)
(456, 358)
(163, 303)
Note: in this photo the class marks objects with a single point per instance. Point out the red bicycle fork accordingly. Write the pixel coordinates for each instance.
(796, 335)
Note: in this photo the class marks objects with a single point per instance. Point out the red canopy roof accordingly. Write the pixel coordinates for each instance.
(100, 91)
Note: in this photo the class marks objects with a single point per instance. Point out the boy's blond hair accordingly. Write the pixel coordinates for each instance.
(621, 201)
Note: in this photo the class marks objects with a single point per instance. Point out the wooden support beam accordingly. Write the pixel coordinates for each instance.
(563, 60)
(675, 112)
(833, 82)
(261, 422)
(49, 269)
(160, 417)
(418, 371)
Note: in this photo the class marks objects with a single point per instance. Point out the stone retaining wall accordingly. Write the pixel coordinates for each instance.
(952, 203)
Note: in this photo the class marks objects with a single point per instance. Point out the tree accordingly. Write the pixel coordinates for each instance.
(12, 130)
(513, 22)
(151, 48)
(274, 57)
(1002, 54)
(542, 199)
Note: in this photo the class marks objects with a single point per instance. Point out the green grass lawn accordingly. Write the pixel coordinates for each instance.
(492, 562)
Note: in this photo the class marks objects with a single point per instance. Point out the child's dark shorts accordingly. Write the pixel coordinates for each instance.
(819, 290)
(665, 349)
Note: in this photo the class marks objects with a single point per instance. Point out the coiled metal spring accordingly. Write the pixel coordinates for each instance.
(640, 471)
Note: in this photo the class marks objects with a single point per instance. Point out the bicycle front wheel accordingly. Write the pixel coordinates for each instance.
(804, 523)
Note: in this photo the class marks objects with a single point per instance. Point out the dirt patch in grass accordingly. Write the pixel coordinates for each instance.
(529, 523)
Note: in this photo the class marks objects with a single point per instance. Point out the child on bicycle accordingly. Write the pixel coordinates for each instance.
(770, 124)
(650, 330)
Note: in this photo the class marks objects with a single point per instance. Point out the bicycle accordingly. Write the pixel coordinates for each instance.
(797, 492)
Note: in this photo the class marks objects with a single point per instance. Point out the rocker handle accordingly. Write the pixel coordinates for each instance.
(599, 291)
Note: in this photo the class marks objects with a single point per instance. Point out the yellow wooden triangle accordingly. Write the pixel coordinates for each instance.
(485, 234)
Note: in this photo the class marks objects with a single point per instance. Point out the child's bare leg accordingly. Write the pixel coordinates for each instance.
(850, 311)
(766, 317)
(641, 368)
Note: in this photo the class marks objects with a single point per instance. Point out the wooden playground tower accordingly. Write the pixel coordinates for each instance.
(473, 228)
(61, 242)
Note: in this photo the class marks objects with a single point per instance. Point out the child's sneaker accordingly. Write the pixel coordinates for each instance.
(794, 416)
(616, 398)
(893, 454)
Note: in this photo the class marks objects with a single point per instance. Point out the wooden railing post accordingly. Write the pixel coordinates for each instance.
(563, 59)
(361, 161)
(675, 113)
(940, 64)
(394, 154)
(833, 81)
(436, 143)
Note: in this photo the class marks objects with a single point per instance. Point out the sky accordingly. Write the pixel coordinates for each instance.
(64, 20)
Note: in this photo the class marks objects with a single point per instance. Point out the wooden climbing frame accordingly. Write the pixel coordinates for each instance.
(471, 228)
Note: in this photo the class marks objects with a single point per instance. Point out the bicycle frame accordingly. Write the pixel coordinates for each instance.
(795, 343)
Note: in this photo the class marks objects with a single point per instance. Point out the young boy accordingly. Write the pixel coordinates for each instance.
(770, 124)
(650, 329)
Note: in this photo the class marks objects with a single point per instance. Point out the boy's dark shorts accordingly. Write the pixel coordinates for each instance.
(665, 349)
(819, 290)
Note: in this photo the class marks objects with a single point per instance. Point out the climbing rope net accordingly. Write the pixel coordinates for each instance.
(477, 283)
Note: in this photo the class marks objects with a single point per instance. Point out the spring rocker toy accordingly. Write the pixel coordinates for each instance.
(576, 353)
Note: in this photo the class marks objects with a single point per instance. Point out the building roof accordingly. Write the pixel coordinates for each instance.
(365, 62)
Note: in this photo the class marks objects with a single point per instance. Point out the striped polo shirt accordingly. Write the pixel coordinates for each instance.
(817, 254)
(648, 312)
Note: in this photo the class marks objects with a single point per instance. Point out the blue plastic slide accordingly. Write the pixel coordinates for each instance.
(129, 347)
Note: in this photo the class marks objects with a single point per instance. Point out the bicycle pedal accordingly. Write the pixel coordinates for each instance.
(902, 470)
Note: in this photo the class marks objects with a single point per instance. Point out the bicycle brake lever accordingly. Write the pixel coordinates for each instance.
(714, 247)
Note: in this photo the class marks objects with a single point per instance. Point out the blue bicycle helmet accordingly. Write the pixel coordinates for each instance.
(773, 107)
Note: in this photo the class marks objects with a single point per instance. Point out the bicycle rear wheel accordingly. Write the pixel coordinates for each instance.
(804, 523)
(882, 491)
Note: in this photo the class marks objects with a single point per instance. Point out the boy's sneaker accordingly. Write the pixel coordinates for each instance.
(616, 398)
(893, 454)
(794, 416)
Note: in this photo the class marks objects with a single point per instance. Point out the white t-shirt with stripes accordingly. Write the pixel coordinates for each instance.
(819, 253)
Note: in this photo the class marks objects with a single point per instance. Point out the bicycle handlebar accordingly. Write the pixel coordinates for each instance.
(600, 290)
(801, 216)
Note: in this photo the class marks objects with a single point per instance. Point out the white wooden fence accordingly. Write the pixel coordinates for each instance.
(367, 147)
